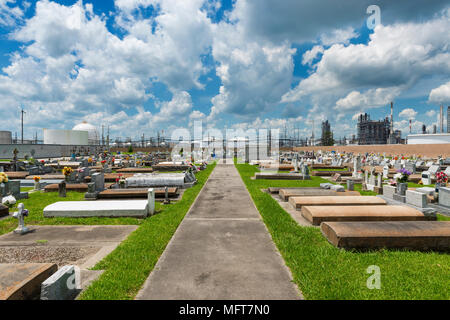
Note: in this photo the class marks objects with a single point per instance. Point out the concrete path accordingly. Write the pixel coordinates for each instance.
(221, 250)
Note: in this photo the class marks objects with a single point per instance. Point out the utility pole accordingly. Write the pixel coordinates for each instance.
(22, 112)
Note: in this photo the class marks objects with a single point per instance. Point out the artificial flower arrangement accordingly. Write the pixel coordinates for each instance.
(43, 161)
(403, 175)
(36, 178)
(441, 178)
(90, 160)
(3, 177)
(67, 171)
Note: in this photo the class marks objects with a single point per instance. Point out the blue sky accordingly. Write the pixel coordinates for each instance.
(140, 66)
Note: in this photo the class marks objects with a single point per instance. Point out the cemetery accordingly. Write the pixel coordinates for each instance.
(353, 204)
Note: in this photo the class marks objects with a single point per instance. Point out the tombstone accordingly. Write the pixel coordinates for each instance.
(426, 178)
(433, 169)
(166, 195)
(99, 179)
(33, 170)
(350, 185)
(388, 191)
(444, 197)
(397, 166)
(372, 177)
(415, 198)
(305, 172)
(151, 201)
(411, 167)
(62, 189)
(379, 180)
(91, 194)
(20, 215)
(336, 177)
(366, 176)
(386, 172)
(447, 171)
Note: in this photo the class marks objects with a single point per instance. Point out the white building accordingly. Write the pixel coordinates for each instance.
(437, 138)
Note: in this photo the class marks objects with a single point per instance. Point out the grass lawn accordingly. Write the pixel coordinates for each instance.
(127, 267)
(38, 201)
(322, 271)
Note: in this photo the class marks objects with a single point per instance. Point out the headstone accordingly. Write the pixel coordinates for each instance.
(166, 195)
(64, 284)
(415, 198)
(336, 177)
(444, 196)
(20, 215)
(326, 185)
(386, 172)
(388, 191)
(433, 169)
(447, 171)
(426, 178)
(411, 167)
(99, 179)
(337, 188)
(62, 189)
(91, 194)
(151, 201)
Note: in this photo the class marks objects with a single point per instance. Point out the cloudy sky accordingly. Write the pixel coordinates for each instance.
(140, 66)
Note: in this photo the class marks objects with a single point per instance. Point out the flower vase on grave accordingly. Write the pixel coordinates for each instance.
(37, 185)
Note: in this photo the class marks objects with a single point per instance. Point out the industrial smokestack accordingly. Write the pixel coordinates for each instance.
(392, 118)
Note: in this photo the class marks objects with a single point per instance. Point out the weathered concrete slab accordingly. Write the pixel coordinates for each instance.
(276, 190)
(169, 167)
(86, 209)
(22, 281)
(298, 202)
(136, 193)
(331, 173)
(285, 194)
(135, 170)
(47, 177)
(13, 175)
(280, 176)
(318, 214)
(69, 235)
(76, 187)
(414, 235)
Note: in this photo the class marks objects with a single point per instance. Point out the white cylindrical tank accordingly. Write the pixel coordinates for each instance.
(5, 137)
(94, 138)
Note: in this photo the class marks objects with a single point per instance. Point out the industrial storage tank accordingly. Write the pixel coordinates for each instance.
(94, 138)
(5, 137)
(65, 137)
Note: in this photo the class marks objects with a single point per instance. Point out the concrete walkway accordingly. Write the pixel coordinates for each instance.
(221, 250)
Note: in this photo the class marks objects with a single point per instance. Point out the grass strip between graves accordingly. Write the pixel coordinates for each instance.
(36, 203)
(129, 265)
(322, 271)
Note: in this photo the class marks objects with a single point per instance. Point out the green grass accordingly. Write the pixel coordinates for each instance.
(322, 271)
(38, 201)
(129, 265)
